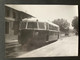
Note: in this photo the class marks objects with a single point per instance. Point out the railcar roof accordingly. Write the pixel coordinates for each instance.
(52, 23)
(35, 19)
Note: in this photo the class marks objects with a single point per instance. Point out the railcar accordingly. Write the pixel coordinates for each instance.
(34, 33)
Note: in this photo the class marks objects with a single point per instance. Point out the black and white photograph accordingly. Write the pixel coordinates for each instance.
(41, 30)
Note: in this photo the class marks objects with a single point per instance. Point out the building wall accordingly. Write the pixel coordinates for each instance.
(13, 18)
(9, 20)
(10, 36)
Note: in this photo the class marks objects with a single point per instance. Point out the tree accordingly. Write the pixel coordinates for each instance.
(75, 23)
(63, 24)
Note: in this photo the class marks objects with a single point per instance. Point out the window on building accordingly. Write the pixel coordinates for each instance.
(23, 25)
(16, 27)
(41, 25)
(7, 12)
(6, 27)
(14, 14)
(32, 25)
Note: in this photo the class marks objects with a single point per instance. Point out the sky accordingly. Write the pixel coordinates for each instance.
(49, 12)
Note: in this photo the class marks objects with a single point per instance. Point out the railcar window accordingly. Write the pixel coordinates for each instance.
(47, 26)
(23, 25)
(55, 28)
(51, 27)
(41, 25)
(32, 25)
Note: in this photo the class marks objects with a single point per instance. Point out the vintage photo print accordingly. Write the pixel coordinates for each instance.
(41, 30)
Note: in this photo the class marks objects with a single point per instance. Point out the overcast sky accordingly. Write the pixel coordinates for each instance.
(49, 12)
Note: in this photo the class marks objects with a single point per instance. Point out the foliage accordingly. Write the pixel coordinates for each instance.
(63, 24)
(75, 23)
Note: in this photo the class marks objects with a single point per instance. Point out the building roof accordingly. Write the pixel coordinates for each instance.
(21, 13)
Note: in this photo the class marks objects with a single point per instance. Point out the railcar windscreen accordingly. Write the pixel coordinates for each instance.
(32, 25)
